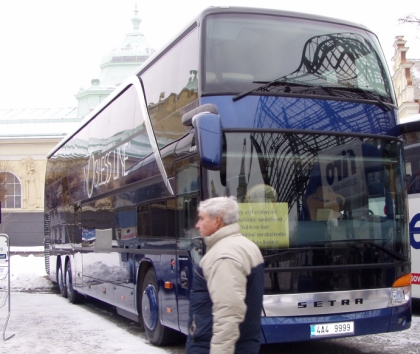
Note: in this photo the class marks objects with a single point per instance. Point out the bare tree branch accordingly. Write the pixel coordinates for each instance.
(411, 19)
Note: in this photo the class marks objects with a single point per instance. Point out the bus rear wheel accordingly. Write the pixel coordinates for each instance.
(157, 333)
(61, 281)
(72, 295)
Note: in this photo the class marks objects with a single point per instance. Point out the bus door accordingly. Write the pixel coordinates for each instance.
(162, 238)
(126, 238)
(156, 229)
(189, 244)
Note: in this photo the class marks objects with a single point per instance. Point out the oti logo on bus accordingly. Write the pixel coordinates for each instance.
(342, 167)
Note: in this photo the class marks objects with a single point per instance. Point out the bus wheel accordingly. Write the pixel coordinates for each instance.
(156, 332)
(73, 296)
(61, 281)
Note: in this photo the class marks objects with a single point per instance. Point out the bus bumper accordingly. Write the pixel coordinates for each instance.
(297, 329)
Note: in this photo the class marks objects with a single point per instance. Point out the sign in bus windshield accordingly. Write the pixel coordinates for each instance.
(266, 224)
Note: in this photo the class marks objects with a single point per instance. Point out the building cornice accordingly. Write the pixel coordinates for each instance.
(30, 139)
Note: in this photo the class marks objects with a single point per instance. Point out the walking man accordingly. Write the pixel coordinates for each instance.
(228, 285)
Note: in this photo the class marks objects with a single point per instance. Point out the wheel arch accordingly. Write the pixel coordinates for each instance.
(144, 266)
(157, 332)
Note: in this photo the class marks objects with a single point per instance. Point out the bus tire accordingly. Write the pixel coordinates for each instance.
(157, 333)
(73, 296)
(61, 281)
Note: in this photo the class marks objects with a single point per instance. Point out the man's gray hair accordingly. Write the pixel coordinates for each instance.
(225, 207)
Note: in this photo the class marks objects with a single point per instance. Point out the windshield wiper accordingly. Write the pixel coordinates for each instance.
(268, 84)
(365, 94)
(287, 83)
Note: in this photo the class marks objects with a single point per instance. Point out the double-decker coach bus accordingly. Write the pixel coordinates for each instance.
(410, 130)
(292, 114)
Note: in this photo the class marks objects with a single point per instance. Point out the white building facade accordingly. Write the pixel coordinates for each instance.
(406, 80)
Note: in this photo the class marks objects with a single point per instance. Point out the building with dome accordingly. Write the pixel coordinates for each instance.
(116, 66)
(28, 135)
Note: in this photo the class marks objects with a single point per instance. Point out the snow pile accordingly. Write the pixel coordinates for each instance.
(27, 273)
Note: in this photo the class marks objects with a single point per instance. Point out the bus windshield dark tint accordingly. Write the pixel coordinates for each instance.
(412, 162)
(244, 51)
(318, 200)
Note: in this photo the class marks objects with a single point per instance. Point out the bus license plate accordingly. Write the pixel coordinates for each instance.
(332, 329)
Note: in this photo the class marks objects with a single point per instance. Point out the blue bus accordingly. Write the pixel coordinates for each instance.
(292, 114)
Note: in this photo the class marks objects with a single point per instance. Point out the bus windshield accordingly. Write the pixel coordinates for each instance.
(282, 55)
(315, 200)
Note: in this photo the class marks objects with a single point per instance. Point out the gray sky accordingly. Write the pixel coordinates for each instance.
(51, 48)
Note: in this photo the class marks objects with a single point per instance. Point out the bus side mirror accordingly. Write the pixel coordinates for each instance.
(208, 130)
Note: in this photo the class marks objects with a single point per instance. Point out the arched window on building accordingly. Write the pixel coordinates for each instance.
(10, 191)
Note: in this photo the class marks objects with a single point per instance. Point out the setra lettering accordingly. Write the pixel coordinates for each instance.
(320, 303)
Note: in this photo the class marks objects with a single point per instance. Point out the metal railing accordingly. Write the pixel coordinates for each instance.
(5, 279)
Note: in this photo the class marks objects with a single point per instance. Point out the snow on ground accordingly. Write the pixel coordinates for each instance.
(47, 323)
(27, 273)
(43, 322)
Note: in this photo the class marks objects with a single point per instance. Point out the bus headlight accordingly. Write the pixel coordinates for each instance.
(399, 296)
(400, 291)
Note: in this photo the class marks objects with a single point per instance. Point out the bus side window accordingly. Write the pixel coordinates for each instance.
(143, 221)
(171, 218)
(165, 98)
(158, 220)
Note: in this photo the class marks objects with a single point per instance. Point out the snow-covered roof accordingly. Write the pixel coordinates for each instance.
(38, 122)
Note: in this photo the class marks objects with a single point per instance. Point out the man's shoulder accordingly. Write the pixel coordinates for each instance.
(242, 241)
(234, 239)
(238, 246)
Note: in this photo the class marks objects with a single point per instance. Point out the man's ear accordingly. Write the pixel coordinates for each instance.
(219, 222)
